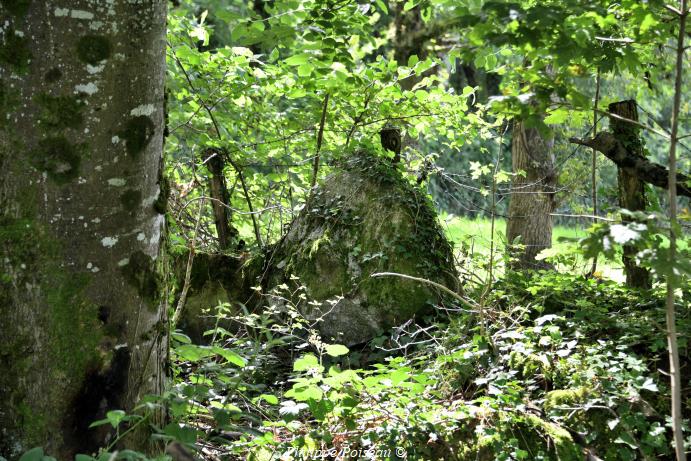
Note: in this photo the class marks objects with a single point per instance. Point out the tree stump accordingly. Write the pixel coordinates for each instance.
(631, 189)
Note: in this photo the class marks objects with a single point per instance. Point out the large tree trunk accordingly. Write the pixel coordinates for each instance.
(466, 74)
(408, 40)
(83, 327)
(532, 196)
(631, 187)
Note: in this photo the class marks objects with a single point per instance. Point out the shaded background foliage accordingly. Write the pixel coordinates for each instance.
(262, 70)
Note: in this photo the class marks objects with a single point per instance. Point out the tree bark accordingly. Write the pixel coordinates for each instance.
(81, 203)
(227, 234)
(671, 279)
(635, 163)
(408, 39)
(532, 196)
(631, 188)
(487, 83)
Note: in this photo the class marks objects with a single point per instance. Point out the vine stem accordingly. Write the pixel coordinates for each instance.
(490, 272)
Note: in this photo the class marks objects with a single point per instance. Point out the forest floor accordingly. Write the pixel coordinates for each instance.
(552, 366)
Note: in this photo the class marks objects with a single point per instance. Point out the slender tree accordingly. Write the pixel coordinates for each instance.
(673, 347)
(81, 113)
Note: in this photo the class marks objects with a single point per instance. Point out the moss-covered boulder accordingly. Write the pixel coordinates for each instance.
(216, 279)
(365, 218)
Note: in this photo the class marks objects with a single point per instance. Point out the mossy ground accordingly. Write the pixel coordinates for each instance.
(14, 51)
(18, 8)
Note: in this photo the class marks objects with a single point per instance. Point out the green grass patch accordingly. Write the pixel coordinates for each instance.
(459, 229)
(475, 234)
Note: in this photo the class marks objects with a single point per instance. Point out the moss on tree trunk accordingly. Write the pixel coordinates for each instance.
(83, 327)
(631, 188)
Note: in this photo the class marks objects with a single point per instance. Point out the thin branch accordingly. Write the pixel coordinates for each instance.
(673, 10)
(593, 267)
(664, 134)
(584, 216)
(625, 40)
(466, 302)
(640, 166)
(188, 271)
(232, 162)
(234, 210)
(320, 137)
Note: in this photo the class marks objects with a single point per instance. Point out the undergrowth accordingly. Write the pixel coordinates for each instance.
(561, 367)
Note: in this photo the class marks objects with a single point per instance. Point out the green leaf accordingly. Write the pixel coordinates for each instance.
(490, 62)
(557, 117)
(230, 356)
(626, 439)
(296, 93)
(298, 59)
(180, 337)
(192, 353)
(648, 22)
(399, 375)
(306, 362)
(35, 454)
(99, 422)
(270, 399)
(335, 350)
(115, 417)
(337, 378)
(305, 70)
(257, 26)
(84, 458)
(409, 5)
(184, 435)
(305, 393)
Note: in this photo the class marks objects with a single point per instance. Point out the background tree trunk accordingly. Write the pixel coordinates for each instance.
(631, 188)
(227, 234)
(81, 115)
(532, 196)
(407, 42)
